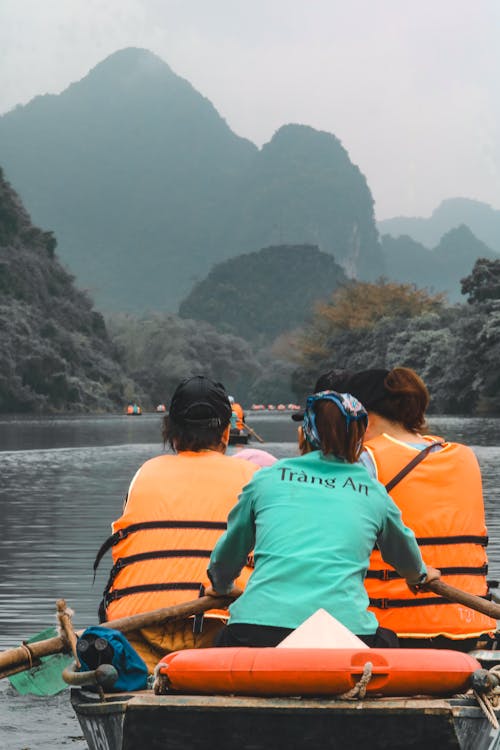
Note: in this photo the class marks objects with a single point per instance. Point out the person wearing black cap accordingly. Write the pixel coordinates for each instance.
(437, 486)
(175, 511)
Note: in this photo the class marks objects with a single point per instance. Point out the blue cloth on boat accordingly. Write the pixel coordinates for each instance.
(132, 671)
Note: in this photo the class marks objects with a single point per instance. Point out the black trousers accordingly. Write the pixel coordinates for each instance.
(440, 641)
(259, 636)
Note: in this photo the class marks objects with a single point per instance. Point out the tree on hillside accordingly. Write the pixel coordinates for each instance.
(483, 284)
(357, 308)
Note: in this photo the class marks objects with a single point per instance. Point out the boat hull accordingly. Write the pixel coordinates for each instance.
(176, 722)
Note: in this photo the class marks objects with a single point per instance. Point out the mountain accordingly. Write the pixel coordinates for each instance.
(56, 354)
(441, 268)
(302, 188)
(482, 220)
(146, 186)
(261, 295)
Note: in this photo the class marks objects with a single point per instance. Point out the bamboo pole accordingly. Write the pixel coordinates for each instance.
(462, 597)
(252, 432)
(24, 657)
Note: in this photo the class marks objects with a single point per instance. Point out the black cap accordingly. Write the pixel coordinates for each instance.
(333, 380)
(200, 402)
(368, 386)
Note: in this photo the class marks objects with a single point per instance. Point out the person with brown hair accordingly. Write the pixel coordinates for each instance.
(437, 486)
(312, 522)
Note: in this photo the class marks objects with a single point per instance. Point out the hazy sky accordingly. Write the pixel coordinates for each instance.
(411, 88)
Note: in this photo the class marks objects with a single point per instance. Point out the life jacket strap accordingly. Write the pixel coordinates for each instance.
(460, 539)
(417, 602)
(111, 596)
(412, 464)
(392, 575)
(160, 554)
(145, 525)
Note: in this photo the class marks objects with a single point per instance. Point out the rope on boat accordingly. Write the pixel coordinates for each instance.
(489, 700)
(160, 684)
(358, 692)
(29, 653)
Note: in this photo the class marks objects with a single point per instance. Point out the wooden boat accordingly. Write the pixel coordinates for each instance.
(238, 437)
(133, 721)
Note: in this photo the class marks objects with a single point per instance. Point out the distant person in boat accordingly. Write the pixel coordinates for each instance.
(312, 522)
(440, 499)
(237, 416)
(175, 511)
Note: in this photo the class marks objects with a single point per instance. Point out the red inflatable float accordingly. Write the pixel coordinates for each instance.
(280, 671)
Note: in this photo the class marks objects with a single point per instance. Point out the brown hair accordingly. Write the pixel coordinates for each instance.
(406, 401)
(336, 437)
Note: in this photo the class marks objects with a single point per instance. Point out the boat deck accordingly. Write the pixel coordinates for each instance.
(134, 721)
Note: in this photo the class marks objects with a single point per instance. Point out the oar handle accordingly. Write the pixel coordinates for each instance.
(18, 659)
(252, 432)
(105, 675)
(463, 597)
(176, 612)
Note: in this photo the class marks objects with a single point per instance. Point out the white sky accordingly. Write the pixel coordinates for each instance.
(411, 88)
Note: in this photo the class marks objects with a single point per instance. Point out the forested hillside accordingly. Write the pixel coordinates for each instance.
(56, 354)
(263, 294)
(146, 186)
(158, 351)
(455, 349)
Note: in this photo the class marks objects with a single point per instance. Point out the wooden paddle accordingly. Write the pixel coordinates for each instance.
(23, 657)
(253, 433)
(462, 597)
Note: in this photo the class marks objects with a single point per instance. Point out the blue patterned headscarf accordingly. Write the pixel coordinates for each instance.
(349, 406)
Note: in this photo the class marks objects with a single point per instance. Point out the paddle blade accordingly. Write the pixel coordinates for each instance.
(45, 679)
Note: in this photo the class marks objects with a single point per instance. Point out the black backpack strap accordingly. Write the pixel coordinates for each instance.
(411, 465)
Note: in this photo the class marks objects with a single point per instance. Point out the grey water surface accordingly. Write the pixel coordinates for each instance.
(63, 481)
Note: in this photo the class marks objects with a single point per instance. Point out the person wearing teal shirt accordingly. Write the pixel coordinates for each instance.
(312, 522)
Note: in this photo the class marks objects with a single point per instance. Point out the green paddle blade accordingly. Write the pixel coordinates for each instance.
(45, 679)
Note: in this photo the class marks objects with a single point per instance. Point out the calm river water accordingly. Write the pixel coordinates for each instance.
(63, 482)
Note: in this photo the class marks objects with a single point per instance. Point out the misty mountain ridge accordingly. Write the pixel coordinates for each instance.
(439, 269)
(481, 218)
(146, 186)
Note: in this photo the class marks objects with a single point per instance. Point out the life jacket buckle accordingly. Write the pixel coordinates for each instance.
(383, 604)
(385, 575)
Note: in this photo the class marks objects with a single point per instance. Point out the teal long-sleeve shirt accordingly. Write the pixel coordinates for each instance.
(312, 522)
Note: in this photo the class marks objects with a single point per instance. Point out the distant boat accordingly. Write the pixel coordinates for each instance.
(161, 408)
(133, 410)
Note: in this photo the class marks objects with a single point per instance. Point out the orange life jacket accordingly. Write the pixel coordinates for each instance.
(441, 500)
(176, 510)
(239, 414)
